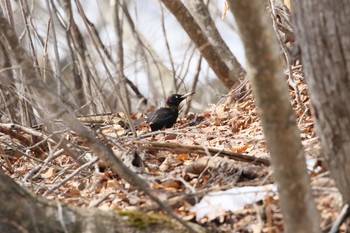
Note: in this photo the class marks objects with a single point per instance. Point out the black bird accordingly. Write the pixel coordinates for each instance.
(167, 116)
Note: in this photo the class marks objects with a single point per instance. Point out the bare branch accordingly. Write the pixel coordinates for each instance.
(229, 74)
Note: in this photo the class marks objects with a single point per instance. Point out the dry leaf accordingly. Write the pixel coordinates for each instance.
(171, 184)
(112, 183)
(240, 149)
(182, 157)
(73, 191)
(170, 137)
(206, 114)
(49, 173)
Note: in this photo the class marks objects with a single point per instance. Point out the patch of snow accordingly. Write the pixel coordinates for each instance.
(217, 203)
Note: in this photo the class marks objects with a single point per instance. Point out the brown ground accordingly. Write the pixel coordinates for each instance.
(176, 164)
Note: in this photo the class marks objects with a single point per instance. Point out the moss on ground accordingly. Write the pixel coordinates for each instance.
(142, 220)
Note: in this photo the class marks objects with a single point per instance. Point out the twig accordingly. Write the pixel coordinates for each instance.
(24, 141)
(9, 12)
(61, 217)
(200, 150)
(55, 44)
(286, 55)
(99, 201)
(63, 171)
(207, 166)
(27, 130)
(7, 160)
(37, 169)
(166, 40)
(344, 213)
(70, 176)
(15, 148)
(193, 86)
(118, 26)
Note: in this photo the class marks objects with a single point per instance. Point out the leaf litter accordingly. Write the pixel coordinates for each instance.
(185, 175)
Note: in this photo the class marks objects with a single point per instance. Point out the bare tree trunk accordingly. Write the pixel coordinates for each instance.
(323, 34)
(265, 69)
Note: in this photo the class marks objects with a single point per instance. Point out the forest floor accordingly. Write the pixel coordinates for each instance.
(222, 149)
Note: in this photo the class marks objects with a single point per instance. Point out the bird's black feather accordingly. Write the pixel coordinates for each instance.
(163, 118)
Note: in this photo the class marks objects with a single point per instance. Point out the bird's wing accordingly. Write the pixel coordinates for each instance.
(162, 113)
(143, 119)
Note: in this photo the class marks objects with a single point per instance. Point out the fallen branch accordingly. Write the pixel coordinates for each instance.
(200, 150)
(12, 130)
(225, 166)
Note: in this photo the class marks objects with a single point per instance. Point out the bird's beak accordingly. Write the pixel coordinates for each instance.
(184, 96)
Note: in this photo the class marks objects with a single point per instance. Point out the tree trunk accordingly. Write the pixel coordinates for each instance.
(323, 34)
(265, 69)
(20, 211)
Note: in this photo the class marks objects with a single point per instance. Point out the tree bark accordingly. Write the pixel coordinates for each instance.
(265, 69)
(20, 211)
(229, 72)
(323, 34)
